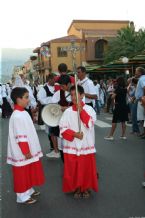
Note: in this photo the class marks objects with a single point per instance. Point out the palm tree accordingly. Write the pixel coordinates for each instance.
(127, 43)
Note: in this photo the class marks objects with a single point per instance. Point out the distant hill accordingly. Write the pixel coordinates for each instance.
(16, 54)
(11, 57)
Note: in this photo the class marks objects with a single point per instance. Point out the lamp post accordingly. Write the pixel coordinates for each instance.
(125, 61)
(74, 49)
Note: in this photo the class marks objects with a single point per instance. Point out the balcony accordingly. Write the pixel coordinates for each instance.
(42, 65)
(37, 66)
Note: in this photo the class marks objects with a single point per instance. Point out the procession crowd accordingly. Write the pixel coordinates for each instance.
(72, 142)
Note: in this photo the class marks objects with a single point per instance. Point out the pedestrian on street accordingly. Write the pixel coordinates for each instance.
(44, 97)
(139, 94)
(6, 107)
(24, 151)
(88, 86)
(97, 101)
(133, 106)
(120, 111)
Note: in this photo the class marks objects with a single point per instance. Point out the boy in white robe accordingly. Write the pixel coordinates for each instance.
(80, 172)
(24, 151)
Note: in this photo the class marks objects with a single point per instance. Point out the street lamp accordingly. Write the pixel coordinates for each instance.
(125, 61)
(74, 49)
(127, 72)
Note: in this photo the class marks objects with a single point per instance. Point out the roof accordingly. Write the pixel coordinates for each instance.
(100, 32)
(138, 60)
(97, 21)
(140, 57)
(36, 50)
(64, 39)
(112, 67)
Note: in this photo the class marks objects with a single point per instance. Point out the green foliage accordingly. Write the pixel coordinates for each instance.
(127, 43)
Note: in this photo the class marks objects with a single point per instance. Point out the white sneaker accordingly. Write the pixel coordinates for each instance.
(53, 154)
(143, 184)
(109, 138)
(123, 137)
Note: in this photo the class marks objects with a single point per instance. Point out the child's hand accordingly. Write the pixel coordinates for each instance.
(28, 156)
(79, 135)
(79, 107)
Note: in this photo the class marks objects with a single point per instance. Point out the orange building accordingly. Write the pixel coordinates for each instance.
(92, 35)
(59, 51)
(96, 34)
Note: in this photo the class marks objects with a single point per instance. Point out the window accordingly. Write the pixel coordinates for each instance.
(61, 53)
(100, 48)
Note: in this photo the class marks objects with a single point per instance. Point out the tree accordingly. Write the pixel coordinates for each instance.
(127, 43)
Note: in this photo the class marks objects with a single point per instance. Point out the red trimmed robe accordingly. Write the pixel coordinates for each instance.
(79, 155)
(27, 176)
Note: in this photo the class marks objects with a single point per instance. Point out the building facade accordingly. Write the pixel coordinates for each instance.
(92, 36)
(96, 34)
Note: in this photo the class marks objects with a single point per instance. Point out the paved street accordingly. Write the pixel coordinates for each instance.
(121, 165)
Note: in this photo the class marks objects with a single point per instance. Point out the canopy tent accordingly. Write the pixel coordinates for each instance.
(116, 68)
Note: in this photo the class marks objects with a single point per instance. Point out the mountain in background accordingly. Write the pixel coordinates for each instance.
(12, 57)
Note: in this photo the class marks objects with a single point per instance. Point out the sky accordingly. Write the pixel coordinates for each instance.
(28, 23)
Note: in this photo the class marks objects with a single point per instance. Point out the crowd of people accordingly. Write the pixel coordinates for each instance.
(74, 145)
(129, 105)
